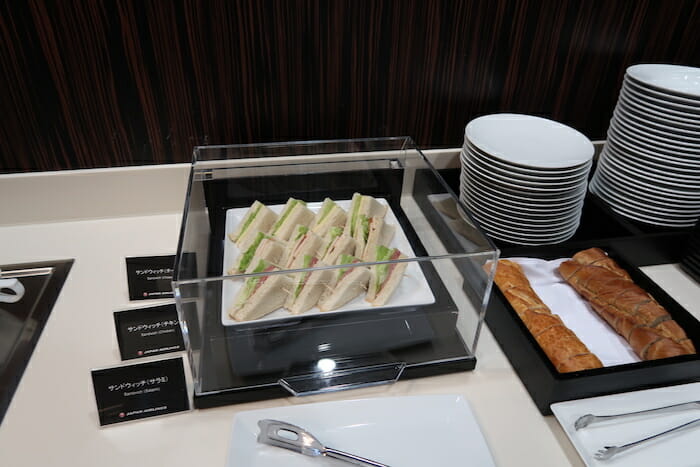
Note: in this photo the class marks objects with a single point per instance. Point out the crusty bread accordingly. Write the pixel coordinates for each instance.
(561, 345)
(626, 307)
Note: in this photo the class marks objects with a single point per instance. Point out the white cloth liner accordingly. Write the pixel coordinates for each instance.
(563, 300)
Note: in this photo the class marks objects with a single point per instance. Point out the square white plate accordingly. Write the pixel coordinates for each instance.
(677, 450)
(412, 290)
(414, 431)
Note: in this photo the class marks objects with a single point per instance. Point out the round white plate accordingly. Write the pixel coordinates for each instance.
(643, 207)
(648, 177)
(625, 182)
(501, 190)
(517, 169)
(652, 140)
(679, 161)
(651, 91)
(476, 169)
(661, 102)
(653, 132)
(529, 141)
(653, 165)
(489, 166)
(648, 122)
(672, 116)
(655, 117)
(528, 208)
(497, 213)
(674, 79)
(631, 214)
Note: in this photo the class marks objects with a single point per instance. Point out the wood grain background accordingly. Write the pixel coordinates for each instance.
(112, 83)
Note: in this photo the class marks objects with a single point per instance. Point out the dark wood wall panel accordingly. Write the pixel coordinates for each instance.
(112, 83)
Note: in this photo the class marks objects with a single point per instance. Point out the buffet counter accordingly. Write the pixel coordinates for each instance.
(99, 217)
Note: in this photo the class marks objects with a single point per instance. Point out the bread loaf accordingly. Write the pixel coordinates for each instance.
(566, 352)
(626, 307)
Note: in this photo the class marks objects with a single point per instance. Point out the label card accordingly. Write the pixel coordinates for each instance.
(150, 277)
(148, 331)
(139, 391)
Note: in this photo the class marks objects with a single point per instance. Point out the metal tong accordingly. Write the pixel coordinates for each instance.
(609, 451)
(288, 436)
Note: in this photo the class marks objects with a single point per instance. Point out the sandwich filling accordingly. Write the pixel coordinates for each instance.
(250, 219)
(252, 284)
(309, 262)
(332, 236)
(250, 252)
(383, 271)
(291, 204)
(346, 259)
(354, 213)
(326, 208)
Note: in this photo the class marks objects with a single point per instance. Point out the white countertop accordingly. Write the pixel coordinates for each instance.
(52, 419)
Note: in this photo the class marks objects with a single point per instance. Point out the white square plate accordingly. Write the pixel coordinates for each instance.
(414, 431)
(412, 290)
(679, 449)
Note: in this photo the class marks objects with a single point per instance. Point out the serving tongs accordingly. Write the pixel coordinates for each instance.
(585, 420)
(288, 436)
(609, 451)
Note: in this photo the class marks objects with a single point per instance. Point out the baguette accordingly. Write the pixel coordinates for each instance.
(561, 345)
(627, 308)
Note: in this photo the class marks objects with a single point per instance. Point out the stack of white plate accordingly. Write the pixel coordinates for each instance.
(524, 178)
(649, 170)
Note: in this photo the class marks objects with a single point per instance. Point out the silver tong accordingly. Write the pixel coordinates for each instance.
(609, 451)
(288, 436)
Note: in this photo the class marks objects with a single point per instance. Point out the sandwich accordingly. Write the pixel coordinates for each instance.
(262, 247)
(335, 244)
(260, 295)
(308, 286)
(330, 215)
(362, 205)
(347, 284)
(269, 250)
(308, 243)
(385, 277)
(372, 232)
(294, 213)
(258, 218)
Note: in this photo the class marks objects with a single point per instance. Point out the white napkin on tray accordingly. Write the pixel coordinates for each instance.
(562, 300)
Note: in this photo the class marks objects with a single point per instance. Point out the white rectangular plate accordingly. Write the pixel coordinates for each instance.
(679, 449)
(412, 290)
(413, 431)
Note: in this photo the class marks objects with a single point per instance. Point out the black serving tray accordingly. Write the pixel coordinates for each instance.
(547, 386)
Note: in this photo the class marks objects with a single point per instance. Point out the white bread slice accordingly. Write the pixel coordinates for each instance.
(269, 250)
(244, 224)
(315, 283)
(342, 245)
(380, 233)
(269, 297)
(294, 213)
(379, 294)
(349, 287)
(308, 244)
(262, 222)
